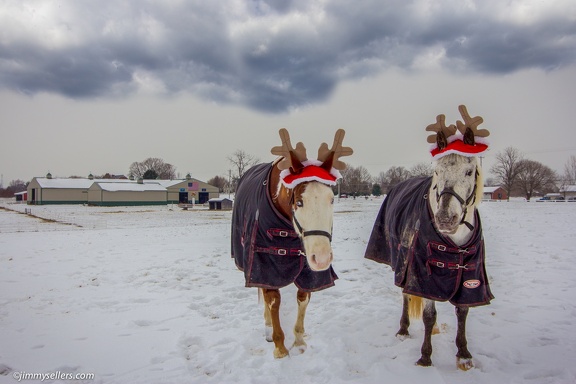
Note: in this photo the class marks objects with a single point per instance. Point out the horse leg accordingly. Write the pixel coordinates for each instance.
(463, 357)
(272, 301)
(404, 319)
(429, 317)
(267, 320)
(303, 298)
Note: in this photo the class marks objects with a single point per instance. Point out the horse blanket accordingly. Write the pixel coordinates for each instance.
(265, 245)
(426, 263)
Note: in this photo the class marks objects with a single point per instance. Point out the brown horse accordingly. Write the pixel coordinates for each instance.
(429, 231)
(282, 229)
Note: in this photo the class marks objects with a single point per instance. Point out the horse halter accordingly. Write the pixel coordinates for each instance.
(464, 203)
(313, 232)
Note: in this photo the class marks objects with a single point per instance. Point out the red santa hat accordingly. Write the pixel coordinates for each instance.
(312, 171)
(464, 138)
(456, 145)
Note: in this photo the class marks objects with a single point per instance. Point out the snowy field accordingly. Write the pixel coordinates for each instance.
(151, 295)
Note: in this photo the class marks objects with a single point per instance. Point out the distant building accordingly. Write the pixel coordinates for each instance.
(220, 204)
(21, 196)
(568, 191)
(47, 190)
(134, 193)
(494, 193)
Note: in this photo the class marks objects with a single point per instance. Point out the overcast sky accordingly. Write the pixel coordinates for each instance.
(92, 86)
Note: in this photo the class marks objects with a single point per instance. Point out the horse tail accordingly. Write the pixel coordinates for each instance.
(415, 307)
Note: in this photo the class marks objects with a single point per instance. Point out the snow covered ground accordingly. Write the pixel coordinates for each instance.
(151, 295)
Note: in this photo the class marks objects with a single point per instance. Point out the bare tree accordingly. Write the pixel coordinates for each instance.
(356, 181)
(218, 181)
(393, 176)
(152, 165)
(570, 171)
(535, 177)
(381, 181)
(506, 168)
(242, 161)
(15, 186)
(421, 169)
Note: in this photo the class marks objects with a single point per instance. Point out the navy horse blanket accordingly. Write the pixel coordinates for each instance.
(264, 243)
(426, 263)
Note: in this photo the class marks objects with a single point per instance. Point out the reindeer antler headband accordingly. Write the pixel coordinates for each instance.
(464, 138)
(296, 168)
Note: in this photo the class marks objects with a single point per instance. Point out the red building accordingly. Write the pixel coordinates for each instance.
(494, 193)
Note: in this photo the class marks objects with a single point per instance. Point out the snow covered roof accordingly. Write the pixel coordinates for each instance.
(133, 187)
(75, 183)
(85, 183)
(217, 199)
(490, 189)
(568, 188)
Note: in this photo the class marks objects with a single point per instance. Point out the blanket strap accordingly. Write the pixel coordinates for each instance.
(276, 232)
(279, 251)
(451, 266)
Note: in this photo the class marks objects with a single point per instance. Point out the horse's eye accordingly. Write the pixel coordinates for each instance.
(332, 201)
(468, 173)
(300, 203)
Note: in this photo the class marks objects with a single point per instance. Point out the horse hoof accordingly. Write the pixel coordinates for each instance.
(402, 336)
(298, 349)
(464, 364)
(424, 362)
(280, 353)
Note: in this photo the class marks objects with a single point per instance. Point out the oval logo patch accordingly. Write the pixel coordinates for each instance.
(471, 284)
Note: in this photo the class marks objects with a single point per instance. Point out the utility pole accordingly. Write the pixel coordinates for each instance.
(229, 182)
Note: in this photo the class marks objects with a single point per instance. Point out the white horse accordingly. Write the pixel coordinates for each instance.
(429, 231)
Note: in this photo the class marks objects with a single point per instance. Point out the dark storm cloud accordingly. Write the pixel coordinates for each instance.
(269, 55)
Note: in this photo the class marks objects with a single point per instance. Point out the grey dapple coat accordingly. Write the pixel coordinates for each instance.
(426, 263)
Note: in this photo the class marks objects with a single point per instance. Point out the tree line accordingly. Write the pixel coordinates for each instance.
(149, 169)
(516, 174)
(520, 176)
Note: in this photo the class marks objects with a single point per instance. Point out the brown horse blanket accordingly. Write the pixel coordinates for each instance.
(264, 243)
(426, 263)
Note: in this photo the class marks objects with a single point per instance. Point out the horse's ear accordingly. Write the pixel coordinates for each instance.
(469, 137)
(327, 164)
(469, 128)
(443, 132)
(441, 140)
(330, 157)
(295, 164)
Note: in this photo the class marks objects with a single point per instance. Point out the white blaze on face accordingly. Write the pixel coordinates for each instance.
(456, 174)
(314, 212)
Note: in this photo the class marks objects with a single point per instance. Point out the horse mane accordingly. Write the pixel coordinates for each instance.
(278, 192)
(479, 184)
